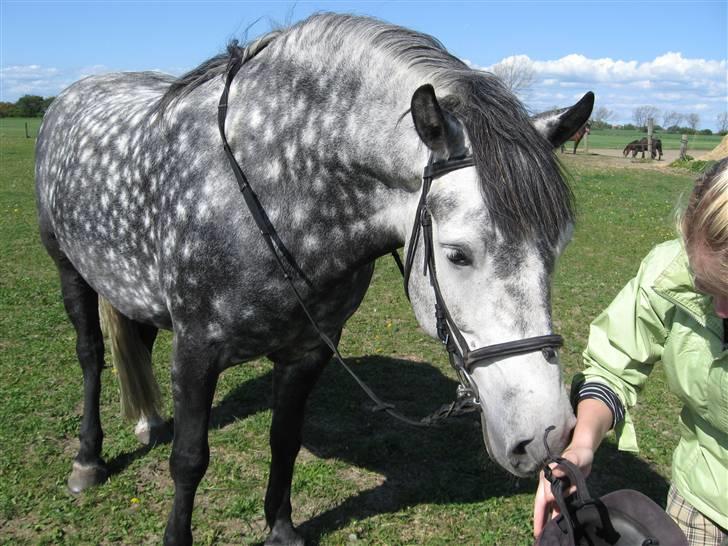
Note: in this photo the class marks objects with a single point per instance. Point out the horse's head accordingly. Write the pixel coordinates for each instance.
(497, 229)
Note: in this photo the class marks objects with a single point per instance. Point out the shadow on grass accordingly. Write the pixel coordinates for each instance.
(246, 400)
(442, 465)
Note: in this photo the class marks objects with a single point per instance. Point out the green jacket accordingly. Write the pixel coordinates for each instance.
(658, 316)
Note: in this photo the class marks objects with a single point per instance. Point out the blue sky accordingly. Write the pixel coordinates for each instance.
(668, 54)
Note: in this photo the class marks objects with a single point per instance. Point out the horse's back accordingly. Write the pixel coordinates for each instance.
(92, 185)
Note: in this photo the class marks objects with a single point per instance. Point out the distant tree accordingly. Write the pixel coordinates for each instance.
(8, 109)
(705, 132)
(722, 119)
(30, 106)
(600, 124)
(693, 120)
(517, 73)
(602, 115)
(47, 102)
(671, 118)
(641, 114)
(629, 127)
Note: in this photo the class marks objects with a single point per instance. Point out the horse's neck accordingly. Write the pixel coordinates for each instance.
(345, 161)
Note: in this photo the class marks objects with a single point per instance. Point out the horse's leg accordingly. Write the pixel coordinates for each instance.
(81, 303)
(576, 143)
(149, 429)
(194, 377)
(292, 383)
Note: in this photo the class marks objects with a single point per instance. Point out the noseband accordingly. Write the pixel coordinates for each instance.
(462, 359)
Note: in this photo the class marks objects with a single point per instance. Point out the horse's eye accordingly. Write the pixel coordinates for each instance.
(550, 354)
(457, 256)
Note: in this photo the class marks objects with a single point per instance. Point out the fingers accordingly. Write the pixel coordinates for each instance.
(544, 506)
(539, 508)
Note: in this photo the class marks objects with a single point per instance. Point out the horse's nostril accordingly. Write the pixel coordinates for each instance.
(520, 448)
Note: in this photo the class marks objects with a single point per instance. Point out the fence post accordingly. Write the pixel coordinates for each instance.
(650, 125)
(27, 134)
(683, 146)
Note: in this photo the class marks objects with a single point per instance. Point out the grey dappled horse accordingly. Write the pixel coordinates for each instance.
(138, 205)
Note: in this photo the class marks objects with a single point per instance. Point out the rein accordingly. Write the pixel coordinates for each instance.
(461, 358)
(286, 262)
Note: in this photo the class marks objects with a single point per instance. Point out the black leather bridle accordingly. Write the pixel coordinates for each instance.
(462, 359)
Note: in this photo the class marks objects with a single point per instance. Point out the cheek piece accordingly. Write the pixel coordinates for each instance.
(462, 359)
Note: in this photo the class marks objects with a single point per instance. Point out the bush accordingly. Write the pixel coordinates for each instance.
(8, 109)
(694, 165)
(600, 125)
(30, 106)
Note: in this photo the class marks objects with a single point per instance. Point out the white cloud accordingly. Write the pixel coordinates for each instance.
(33, 79)
(669, 82)
(670, 66)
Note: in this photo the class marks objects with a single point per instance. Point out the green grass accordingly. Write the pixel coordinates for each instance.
(361, 477)
(618, 138)
(15, 127)
(694, 165)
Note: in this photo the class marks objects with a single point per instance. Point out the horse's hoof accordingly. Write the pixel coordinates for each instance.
(84, 476)
(152, 431)
(283, 534)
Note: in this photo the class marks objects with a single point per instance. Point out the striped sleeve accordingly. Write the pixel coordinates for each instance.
(600, 391)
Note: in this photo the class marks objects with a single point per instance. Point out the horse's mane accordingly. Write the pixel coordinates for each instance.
(521, 180)
(212, 68)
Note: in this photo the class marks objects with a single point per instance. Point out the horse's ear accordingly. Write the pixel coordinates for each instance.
(557, 126)
(435, 127)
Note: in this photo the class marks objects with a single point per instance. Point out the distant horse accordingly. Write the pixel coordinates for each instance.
(142, 202)
(640, 145)
(576, 137)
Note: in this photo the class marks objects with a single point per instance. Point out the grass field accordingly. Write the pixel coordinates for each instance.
(362, 478)
(15, 127)
(619, 138)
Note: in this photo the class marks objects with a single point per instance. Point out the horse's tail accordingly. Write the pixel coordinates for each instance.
(133, 364)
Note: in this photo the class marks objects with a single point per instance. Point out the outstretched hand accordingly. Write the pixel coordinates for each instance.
(544, 506)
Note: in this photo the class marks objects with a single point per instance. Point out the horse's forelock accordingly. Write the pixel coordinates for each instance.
(521, 180)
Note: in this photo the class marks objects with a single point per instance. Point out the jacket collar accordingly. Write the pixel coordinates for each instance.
(675, 284)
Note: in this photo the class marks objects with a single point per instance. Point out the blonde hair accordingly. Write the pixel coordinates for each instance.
(704, 227)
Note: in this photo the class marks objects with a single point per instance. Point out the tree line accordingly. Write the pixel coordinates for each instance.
(27, 106)
(669, 121)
